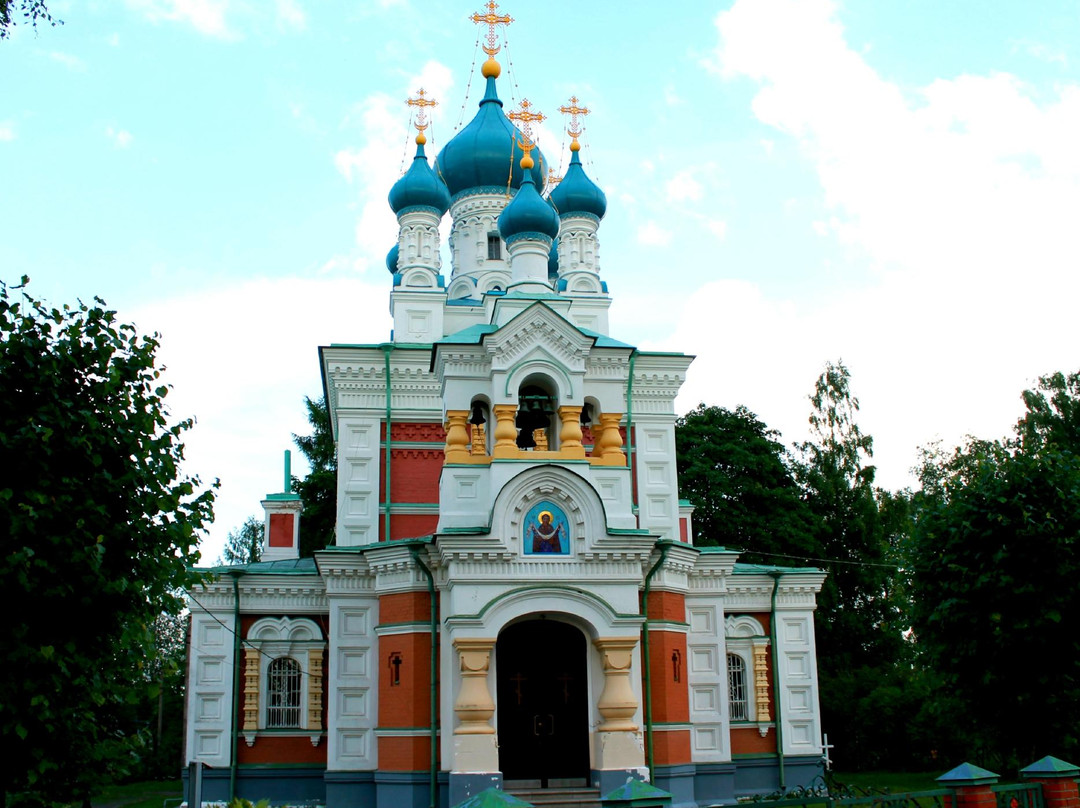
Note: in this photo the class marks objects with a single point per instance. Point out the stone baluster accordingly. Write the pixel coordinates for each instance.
(618, 704)
(570, 434)
(609, 441)
(505, 431)
(457, 436)
(474, 706)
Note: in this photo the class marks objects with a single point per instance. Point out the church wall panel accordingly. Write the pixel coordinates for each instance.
(405, 704)
(281, 749)
(670, 696)
(412, 525)
(669, 606)
(404, 607)
(671, 747)
(748, 741)
(404, 754)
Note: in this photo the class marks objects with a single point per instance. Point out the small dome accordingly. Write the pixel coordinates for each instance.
(420, 187)
(485, 153)
(577, 193)
(553, 262)
(528, 212)
(391, 259)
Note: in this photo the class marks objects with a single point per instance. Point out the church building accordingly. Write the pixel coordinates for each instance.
(515, 597)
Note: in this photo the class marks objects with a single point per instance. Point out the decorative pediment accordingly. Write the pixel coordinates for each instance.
(538, 328)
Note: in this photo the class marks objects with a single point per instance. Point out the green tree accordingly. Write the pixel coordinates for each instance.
(31, 11)
(100, 530)
(860, 622)
(736, 473)
(244, 545)
(860, 532)
(997, 554)
(318, 490)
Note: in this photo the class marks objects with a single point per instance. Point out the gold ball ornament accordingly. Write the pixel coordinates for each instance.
(491, 69)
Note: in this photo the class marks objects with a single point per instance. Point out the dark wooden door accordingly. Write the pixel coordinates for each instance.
(543, 703)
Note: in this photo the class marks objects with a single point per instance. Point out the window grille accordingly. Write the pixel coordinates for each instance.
(494, 247)
(283, 693)
(736, 672)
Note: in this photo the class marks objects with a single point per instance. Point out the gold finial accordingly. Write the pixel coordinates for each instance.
(421, 123)
(574, 129)
(526, 117)
(553, 179)
(491, 68)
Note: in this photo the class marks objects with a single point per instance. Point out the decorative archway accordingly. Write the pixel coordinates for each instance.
(543, 704)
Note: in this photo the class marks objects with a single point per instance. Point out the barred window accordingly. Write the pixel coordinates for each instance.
(283, 693)
(736, 673)
(494, 247)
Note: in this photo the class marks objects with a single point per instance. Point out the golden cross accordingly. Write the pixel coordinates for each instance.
(552, 179)
(491, 19)
(526, 118)
(421, 101)
(573, 110)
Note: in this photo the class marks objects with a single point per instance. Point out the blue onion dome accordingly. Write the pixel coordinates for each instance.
(528, 212)
(486, 154)
(553, 262)
(391, 259)
(576, 193)
(420, 187)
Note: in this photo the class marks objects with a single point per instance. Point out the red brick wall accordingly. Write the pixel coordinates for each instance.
(748, 741)
(281, 530)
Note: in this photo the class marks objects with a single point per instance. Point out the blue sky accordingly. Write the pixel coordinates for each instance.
(893, 184)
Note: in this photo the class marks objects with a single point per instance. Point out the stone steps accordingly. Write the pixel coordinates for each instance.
(558, 797)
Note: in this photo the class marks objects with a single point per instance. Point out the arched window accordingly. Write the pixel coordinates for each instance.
(283, 693)
(736, 677)
(536, 415)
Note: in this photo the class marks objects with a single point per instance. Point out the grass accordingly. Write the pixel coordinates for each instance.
(145, 794)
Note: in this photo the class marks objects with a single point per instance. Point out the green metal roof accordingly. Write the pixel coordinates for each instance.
(288, 566)
(493, 798)
(968, 774)
(1052, 766)
(634, 790)
(765, 569)
(469, 336)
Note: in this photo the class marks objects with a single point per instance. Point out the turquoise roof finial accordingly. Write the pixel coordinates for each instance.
(420, 187)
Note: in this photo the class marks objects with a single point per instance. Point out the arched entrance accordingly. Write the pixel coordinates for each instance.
(543, 709)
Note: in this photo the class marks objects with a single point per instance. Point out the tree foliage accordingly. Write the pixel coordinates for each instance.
(100, 529)
(860, 623)
(244, 545)
(318, 490)
(31, 11)
(736, 473)
(997, 547)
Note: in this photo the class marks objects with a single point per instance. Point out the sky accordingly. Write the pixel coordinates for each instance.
(891, 184)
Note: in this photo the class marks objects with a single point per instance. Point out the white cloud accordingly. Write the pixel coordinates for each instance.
(254, 345)
(290, 15)
(7, 131)
(1040, 50)
(205, 16)
(653, 235)
(683, 187)
(121, 138)
(718, 227)
(384, 153)
(68, 60)
(960, 200)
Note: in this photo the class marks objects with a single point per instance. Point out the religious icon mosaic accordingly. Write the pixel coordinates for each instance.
(547, 531)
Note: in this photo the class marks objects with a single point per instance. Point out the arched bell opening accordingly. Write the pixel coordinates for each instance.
(480, 426)
(536, 414)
